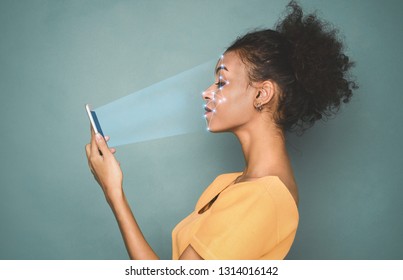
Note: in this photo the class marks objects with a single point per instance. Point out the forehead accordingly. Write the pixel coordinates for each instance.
(232, 63)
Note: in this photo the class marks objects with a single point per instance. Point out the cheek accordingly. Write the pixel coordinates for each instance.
(234, 105)
(228, 94)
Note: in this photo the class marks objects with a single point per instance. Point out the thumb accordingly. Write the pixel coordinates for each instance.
(101, 143)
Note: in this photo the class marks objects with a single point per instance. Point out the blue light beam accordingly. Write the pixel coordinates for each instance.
(168, 108)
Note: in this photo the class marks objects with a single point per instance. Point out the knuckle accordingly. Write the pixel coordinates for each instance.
(87, 148)
(93, 158)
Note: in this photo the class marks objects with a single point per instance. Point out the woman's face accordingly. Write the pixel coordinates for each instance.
(229, 101)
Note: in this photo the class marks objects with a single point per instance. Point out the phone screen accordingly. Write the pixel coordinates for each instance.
(96, 122)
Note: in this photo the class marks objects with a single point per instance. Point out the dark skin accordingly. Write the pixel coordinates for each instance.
(263, 146)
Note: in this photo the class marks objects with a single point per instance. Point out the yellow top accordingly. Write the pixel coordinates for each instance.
(254, 220)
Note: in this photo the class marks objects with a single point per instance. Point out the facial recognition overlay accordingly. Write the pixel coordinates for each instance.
(214, 95)
(168, 108)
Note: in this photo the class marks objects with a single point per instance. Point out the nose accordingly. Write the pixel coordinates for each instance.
(208, 94)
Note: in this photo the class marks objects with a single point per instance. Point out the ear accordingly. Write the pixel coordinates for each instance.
(265, 92)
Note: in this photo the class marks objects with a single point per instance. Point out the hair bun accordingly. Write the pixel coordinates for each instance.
(306, 59)
(320, 66)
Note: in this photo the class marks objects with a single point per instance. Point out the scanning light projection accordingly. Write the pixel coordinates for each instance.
(168, 108)
(214, 94)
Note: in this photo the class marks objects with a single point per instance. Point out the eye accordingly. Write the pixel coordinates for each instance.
(220, 84)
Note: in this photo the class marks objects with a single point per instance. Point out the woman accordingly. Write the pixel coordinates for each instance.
(267, 82)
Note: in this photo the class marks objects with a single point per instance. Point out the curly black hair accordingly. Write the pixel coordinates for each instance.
(305, 57)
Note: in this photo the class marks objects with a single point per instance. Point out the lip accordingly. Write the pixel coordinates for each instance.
(207, 109)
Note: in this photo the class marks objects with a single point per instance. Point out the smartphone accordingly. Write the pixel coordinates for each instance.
(93, 120)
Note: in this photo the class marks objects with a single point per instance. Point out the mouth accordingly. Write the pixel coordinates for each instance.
(207, 109)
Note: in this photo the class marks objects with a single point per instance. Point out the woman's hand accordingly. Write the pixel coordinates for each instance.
(104, 166)
(107, 172)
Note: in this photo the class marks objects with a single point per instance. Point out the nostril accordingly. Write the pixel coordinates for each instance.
(207, 95)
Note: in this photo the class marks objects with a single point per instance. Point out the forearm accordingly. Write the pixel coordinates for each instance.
(136, 245)
(107, 172)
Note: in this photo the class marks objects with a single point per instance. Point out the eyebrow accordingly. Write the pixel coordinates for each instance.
(221, 67)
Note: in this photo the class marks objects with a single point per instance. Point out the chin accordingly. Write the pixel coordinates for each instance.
(217, 125)
(215, 129)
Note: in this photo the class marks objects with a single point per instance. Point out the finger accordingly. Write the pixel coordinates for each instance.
(92, 137)
(88, 150)
(94, 146)
(101, 143)
(112, 150)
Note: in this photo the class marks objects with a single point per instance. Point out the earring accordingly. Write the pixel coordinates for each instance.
(259, 107)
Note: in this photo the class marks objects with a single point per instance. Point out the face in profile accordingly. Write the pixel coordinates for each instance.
(229, 100)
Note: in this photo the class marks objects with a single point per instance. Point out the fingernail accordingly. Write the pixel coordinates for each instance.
(98, 137)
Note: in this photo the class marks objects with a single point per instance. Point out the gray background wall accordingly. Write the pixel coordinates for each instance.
(55, 56)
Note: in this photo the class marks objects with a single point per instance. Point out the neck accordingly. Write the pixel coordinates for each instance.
(264, 150)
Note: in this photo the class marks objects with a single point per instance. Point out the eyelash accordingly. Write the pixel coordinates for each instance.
(220, 84)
